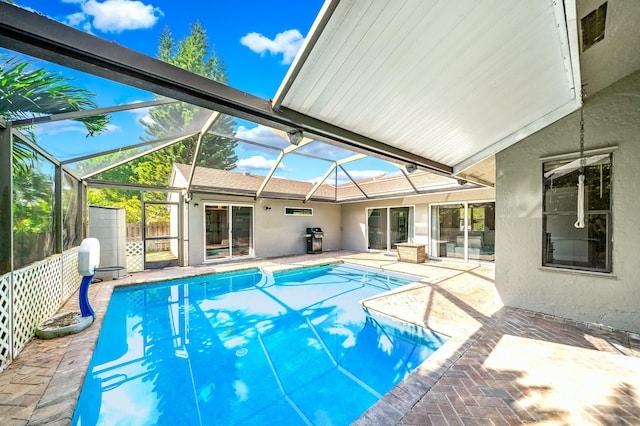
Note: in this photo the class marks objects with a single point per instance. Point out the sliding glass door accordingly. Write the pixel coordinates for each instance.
(228, 231)
(463, 231)
(389, 226)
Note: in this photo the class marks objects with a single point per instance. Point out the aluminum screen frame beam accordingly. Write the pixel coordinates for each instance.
(35, 35)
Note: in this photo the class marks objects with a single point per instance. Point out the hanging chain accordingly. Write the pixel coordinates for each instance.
(583, 160)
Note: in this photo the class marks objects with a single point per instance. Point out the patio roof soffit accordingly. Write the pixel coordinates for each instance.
(505, 70)
(35, 35)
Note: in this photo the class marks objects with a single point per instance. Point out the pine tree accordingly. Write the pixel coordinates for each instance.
(192, 53)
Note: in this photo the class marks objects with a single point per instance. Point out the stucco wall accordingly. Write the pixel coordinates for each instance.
(354, 236)
(612, 118)
(274, 233)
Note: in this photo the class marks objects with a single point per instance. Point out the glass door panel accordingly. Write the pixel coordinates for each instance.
(241, 231)
(448, 221)
(400, 224)
(160, 237)
(460, 230)
(377, 229)
(216, 232)
(481, 231)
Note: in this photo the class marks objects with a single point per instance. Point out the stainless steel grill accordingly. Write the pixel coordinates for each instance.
(314, 240)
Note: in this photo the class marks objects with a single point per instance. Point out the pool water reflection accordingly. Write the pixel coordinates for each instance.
(249, 348)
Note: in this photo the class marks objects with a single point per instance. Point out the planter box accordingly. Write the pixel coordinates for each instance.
(414, 253)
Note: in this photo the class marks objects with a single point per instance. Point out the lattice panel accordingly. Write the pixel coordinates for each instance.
(71, 279)
(135, 301)
(135, 256)
(5, 321)
(37, 294)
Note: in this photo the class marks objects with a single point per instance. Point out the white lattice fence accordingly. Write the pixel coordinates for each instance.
(135, 256)
(37, 294)
(5, 321)
(71, 279)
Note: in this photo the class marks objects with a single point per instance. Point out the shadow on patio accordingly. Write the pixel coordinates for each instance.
(504, 365)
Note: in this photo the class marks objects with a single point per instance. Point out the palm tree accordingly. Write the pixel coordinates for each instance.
(27, 92)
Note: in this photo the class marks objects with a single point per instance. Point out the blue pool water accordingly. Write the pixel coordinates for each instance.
(249, 348)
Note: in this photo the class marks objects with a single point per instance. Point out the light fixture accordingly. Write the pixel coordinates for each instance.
(411, 168)
(295, 137)
(195, 205)
(267, 207)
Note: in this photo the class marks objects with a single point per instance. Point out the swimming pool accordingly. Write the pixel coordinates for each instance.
(249, 348)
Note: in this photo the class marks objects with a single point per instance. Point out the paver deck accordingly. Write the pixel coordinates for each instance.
(500, 366)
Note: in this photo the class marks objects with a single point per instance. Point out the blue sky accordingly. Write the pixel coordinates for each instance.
(257, 40)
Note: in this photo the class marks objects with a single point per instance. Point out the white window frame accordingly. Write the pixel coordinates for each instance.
(544, 263)
(298, 209)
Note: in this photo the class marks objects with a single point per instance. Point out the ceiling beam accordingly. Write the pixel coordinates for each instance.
(35, 35)
(353, 181)
(320, 182)
(203, 131)
(74, 115)
(127, 147)
(276, 163)
(134, 157)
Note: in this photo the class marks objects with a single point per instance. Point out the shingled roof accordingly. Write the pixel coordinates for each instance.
(385, 186)
(243, 183)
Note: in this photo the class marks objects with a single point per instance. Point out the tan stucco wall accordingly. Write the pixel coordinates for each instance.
(612, 117)
(275, 234)
(354, 215)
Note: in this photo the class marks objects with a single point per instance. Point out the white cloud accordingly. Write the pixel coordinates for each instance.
(76, 19)
(57, 127)
(114, 16)
(286, 43)
(325, 150)
(362, 174)
(355, 175)
(142, 114)
(263, 135)
(61, 127)
(257, 162)
(110, 128)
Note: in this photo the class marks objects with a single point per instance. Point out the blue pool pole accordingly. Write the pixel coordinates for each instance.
(88, 261)
(85, 308)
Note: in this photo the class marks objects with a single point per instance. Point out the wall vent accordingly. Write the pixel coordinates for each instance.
(593, 26)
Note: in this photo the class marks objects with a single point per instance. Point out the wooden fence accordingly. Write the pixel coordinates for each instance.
(158, 229)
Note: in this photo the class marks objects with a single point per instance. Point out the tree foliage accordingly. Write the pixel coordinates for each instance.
(27, 92)
(195, 54)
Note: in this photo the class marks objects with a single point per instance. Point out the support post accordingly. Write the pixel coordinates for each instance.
(6, 199)
(58, 224)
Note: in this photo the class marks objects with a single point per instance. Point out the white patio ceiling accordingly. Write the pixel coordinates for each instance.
(451, 81)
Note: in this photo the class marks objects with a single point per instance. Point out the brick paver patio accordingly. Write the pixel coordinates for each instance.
(500, 365)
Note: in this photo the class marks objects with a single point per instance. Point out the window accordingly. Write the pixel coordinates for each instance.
(564, 245)
(298, 211)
